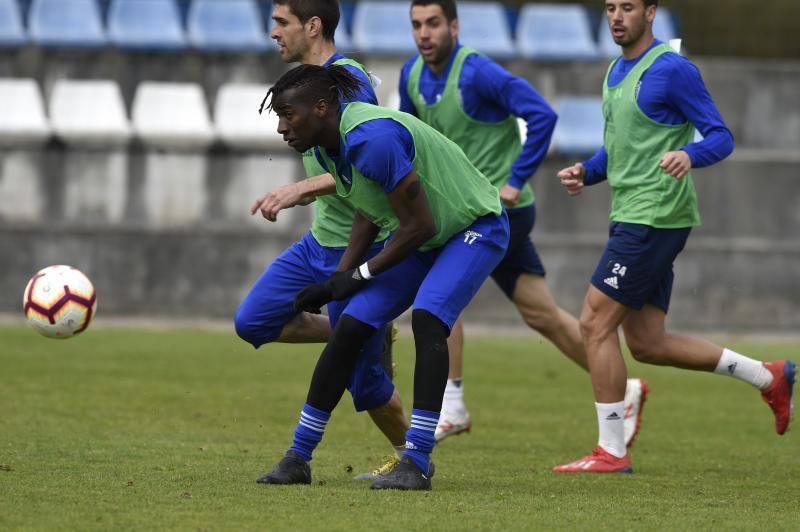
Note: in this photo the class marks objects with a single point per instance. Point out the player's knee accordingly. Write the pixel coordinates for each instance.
(643, 350)
(253, 332)
(544, 320)
(428, 328)
(350, 335)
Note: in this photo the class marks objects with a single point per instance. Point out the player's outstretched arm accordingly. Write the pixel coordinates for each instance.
(572, 178)
(287, 196)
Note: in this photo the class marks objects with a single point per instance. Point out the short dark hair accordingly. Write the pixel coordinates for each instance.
(448, 7)
(333, 83)
(648, 3)
(326, 10)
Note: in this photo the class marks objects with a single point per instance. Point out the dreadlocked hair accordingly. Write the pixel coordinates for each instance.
(333, 83)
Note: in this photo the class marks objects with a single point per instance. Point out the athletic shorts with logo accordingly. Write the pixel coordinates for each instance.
(442, 281)
(269, 306)
(521, 256)
(636, 266)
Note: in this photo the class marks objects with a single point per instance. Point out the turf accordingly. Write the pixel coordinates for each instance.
(121, 429)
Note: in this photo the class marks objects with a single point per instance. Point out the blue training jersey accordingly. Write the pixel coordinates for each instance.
(489, 93)
(672, 92)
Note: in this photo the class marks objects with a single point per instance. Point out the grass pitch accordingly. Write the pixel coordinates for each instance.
(121, 429)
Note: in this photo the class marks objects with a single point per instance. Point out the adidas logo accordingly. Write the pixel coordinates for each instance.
(612, 417)
(612, 282)
(732, 368)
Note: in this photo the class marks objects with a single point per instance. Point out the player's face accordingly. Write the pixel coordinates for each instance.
(299, 123)
(628, 20)
(289, 33)
(434, 35)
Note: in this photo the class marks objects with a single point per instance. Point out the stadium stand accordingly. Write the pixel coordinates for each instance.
(231, 26)
(172, 115)
(89, 113)
(66, 23)
(382, 28)
(484, 26)
(555, 32)
(12, 33)
(663, 29)
(21, 106)
(579, 130)
(237, 120)
(146, 25)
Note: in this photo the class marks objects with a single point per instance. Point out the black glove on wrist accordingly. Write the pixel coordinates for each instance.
(340, 285)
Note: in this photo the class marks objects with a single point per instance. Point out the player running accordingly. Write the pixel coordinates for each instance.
(652, 101)
(304, 31)
(450, 231)
(475, 103)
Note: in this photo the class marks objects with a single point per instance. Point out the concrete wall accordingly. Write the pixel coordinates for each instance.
(168, 233)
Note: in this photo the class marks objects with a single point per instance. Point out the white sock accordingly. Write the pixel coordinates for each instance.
(743, 368)
(399, 450)
(454, 394)
(610, 418)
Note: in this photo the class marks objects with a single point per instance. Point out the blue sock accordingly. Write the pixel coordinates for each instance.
(309, 431)
(419, 438)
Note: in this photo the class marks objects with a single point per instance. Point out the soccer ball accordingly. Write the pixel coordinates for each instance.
(59, 302)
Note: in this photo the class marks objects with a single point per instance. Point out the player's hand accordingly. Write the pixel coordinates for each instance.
(313, 298)
(676, 163)
(340, 285)
(572, 178)
(271, 203)
(509, 196)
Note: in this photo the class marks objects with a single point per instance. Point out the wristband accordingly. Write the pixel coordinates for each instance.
(364, 271)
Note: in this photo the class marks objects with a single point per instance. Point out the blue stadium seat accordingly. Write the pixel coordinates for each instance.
(11, 31)
(231, 25)
(555, 32)
(663, 29)
(74, 23)
(146, 25)
(383, 28)
(580, 126)
(484, 26)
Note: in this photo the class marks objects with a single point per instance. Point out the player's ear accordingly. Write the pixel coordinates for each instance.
(313, 26)
(454, 27)
(650, 13)
(321, 108)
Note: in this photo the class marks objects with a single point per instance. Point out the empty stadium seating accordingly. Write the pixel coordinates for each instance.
(146, 25)
(579, 130)
(12, 32)
(230, 26)
(555, 32)
(22, 111)
(89, 113)
(237, 120)
(172, 115)
(383, 27)
(484, 26)
(66, 23)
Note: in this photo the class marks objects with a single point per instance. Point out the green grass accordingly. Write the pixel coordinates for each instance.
(122, 429)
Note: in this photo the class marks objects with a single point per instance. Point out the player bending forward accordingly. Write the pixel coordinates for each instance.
(450, 232)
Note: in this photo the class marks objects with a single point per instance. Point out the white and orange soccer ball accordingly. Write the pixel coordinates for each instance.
(59, 302)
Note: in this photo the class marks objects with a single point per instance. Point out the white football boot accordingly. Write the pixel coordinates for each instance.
(636, 392)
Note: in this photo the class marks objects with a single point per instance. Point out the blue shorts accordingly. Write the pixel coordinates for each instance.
(269, 306)
(636, 267)
(521, 256)
(441, 281)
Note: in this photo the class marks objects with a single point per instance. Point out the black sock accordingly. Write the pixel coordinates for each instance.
(337, 362)
(433, 360)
